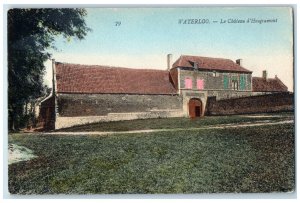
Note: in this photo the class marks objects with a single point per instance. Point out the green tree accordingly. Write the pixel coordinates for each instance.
(31, 36)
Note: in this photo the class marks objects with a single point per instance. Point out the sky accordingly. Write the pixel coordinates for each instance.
(142, 38)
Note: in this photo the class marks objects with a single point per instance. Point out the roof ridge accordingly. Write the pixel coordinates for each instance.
(267, 78)
(210, 63)
(107, 66)
(208, 57)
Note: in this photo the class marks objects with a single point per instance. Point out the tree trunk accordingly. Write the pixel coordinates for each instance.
(13, 125)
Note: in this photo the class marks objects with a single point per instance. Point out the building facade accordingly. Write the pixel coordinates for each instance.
(197, 78)
(85, 94)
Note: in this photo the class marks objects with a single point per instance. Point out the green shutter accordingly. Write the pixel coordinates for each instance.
(242, 82)
(225, 82)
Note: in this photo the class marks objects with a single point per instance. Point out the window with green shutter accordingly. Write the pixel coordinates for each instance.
(242, 82)
(225, 81)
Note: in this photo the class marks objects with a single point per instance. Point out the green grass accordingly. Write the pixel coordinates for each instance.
(169, 123)
(250, 159)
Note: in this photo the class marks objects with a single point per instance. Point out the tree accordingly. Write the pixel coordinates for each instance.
(31, 35)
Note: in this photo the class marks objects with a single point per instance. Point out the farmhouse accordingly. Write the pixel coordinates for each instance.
(91, 93)
(264, 85)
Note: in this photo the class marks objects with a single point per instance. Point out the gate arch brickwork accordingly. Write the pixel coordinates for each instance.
(187, 95)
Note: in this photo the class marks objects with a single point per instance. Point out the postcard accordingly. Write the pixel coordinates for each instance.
(151, 100)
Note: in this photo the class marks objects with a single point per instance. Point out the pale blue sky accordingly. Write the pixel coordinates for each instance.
(147, 35)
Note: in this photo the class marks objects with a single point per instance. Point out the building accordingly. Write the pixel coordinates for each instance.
(197, 78)
(265, 85)
(84, 94)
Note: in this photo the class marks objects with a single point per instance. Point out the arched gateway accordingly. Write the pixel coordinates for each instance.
(195, 108)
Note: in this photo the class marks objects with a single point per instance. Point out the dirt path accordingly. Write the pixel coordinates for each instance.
(20, 153)
(221, 126)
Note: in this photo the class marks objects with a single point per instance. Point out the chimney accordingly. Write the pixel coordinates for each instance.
(195, 66)
(239, 62)
(264, 74)
(169, 61)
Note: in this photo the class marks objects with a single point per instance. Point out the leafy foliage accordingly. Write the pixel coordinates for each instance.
(31, 33)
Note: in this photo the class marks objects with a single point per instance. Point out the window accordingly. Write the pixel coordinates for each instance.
(235, 82)
(225, 81)
(188, 83)
(242, 82)
(200, 84)
(235, 85)
(215, 74)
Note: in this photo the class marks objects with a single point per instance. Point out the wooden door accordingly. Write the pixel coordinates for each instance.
(195, 108)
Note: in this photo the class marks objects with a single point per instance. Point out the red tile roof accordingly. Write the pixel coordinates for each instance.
(207, 63)
(260, 84)
(74, 78)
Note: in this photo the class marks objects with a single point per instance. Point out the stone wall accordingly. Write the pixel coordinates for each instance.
(64, 122)
(263, 93)
(226, 94)
(254, 104)
(214, 84)
(73, 105)
(215, 81)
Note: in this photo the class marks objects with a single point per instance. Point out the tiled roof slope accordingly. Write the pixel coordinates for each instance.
(207, 63)
(74, 78)
(260, 84)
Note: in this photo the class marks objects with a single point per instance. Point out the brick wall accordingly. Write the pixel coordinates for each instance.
(73, 105)
(254, 104)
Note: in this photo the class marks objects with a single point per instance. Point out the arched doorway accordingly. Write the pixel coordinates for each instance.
(195, 108)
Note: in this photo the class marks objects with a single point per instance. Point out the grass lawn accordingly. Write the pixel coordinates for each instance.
(169, 123)
(248, 159)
